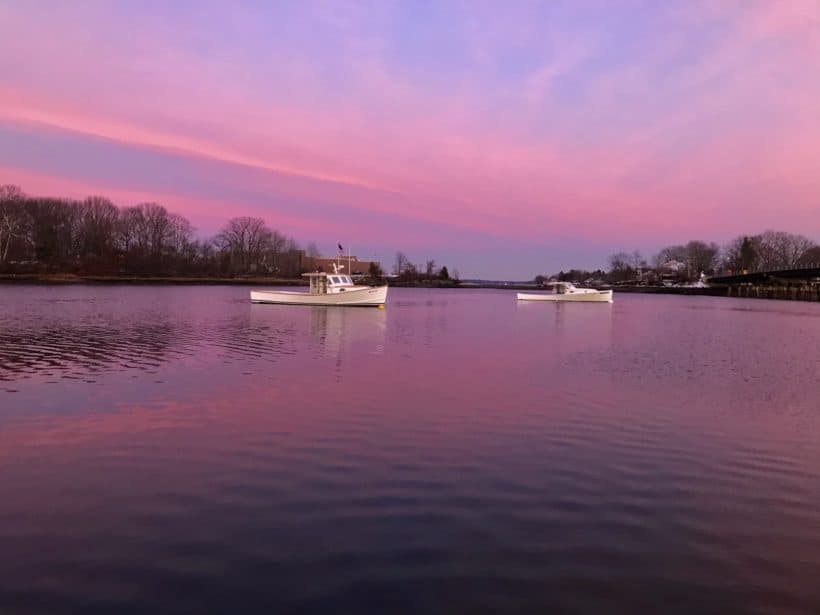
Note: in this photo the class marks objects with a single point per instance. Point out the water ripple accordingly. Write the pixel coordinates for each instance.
(453, 453)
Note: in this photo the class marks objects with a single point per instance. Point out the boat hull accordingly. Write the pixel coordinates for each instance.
(372, 296)
(598, 296)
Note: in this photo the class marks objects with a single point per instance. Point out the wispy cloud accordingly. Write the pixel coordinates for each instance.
(594, 118)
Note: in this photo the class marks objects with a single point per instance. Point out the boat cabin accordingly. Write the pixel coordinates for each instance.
(559, 288)
(329, 283)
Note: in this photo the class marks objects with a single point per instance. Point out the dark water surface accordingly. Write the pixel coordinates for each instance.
(177, 449)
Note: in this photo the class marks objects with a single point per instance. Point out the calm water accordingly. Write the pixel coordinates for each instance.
(177, 449)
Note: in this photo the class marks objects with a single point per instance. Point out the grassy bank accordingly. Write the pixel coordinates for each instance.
(65, 278)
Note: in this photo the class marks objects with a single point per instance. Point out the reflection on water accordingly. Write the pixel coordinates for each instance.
(73, 350)
(337, 334)
(181, 450)
(77, 343)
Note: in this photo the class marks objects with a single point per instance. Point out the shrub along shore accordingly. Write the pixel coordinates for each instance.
(67, 278)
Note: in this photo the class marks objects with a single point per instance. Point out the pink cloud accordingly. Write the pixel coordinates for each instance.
(713, 131)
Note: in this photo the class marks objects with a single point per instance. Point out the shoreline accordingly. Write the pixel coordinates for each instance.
(65, 279)
(782, 293)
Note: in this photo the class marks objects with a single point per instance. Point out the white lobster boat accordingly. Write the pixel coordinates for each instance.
(564, 291)
(326, 289)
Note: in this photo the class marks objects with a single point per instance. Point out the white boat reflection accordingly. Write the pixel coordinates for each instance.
(337, 333)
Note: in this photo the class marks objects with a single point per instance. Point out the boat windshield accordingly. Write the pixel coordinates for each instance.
(335, 279)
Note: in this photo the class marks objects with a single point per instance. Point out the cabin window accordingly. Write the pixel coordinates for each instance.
(347, 280)
(335, 279)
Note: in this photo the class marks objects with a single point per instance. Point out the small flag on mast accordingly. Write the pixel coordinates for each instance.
(341, 249)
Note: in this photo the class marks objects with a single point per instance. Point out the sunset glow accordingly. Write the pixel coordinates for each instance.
(549, 133)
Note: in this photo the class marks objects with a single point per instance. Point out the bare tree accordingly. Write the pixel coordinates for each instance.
(400, 264)
(810, 258)
(275, 251)
(128, 226)
(13, 218)
(9, 193)
(668, 254)
(312, 250)
(781, 250)
(156, 227)
(96, 235)
(52, 231)
(749, 249)
(290, 258)
(772, 247)
(204, 252)
(245, 239)
(180, 234)
(619, 261)
(430, 268)
(700, 257)
(98, 221)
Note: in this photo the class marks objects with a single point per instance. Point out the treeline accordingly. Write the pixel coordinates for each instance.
(94, 236)
(406, 272)
(768, 251)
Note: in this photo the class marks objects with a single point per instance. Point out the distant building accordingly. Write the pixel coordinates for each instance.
(325, 263)
(671, 272)
(673, 266)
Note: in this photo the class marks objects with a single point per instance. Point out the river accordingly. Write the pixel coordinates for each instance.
(177, 449)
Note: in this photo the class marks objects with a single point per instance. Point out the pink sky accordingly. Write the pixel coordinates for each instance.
(552, 133)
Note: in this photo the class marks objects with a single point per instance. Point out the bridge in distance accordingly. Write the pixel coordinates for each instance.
(807, 275)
